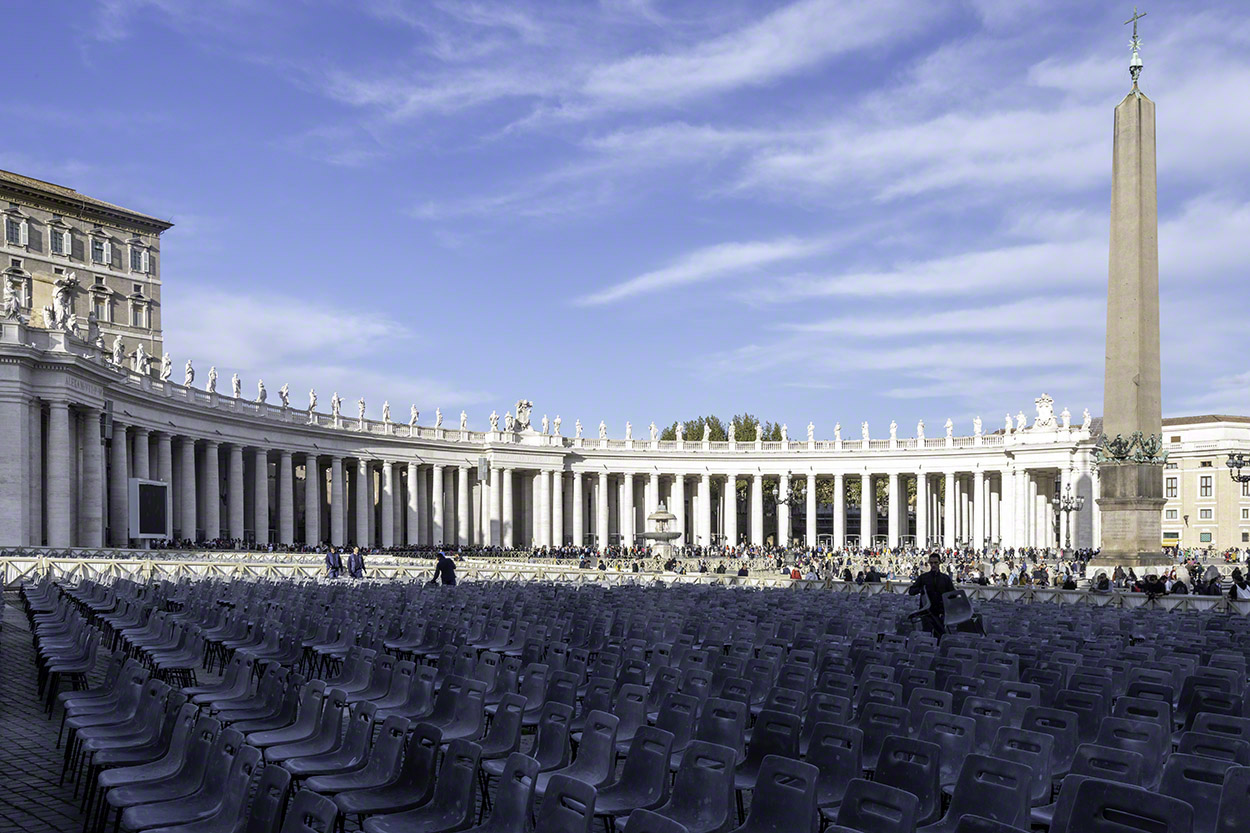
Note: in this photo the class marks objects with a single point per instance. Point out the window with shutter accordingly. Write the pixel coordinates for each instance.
(56, 243)
(12, 231)
(25, 233)
(147, 262)
(108, 252)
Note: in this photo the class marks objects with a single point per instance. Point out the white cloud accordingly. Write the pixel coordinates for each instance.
(1039, 314)
(707, 264)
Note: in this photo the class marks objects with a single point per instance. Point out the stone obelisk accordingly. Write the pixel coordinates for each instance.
(1131, 459)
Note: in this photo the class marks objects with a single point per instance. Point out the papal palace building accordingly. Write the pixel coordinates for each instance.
(86, 403)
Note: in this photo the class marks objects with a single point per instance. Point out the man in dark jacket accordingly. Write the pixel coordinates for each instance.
(356, 564)
(334, 563)
(444, 571)
(933, 584)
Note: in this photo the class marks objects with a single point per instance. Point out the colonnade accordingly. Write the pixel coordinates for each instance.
(78, 462)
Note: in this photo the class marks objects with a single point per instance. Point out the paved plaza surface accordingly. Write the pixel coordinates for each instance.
(30, 800)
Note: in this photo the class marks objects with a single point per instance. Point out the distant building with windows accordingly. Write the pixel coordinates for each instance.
(1205, 506)
(50, 231)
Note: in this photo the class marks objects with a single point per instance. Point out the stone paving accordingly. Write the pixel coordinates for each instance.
(30, 762)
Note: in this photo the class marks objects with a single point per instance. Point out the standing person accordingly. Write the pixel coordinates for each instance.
(933, 584)
(1240, 591)
(444, 570)
(334, 563)
(356, 563)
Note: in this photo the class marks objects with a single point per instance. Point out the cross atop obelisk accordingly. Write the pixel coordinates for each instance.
(1135, 64)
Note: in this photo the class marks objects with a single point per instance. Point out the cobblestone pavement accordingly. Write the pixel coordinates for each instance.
(30, 762)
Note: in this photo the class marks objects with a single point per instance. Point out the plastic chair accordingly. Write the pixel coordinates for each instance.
(874, 807)
(822, 707)
(311, 706)
(324, 738)
(221, 781)
(264, 814)
(412, 786)
(1144, 736)
(784, 798)
(990, 716)
(980, 824)
(989, 787)
(453, 802)
(1234, 813)
(702, 790)
(568, 808)
(836, 752)
(1092, 805)
(381, 766)
(878, 721)
(350, 754)
(1061, 725)
(310, 813)
(514, 798)
(644, 781)
(955, 735)
(914, 766)
(647, 821)
(1210, 745)
(596, 755)
(723, 722)
(923, 700)
(1199, 781)
(1033, 749)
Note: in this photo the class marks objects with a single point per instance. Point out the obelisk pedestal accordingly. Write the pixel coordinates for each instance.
(1131, 459)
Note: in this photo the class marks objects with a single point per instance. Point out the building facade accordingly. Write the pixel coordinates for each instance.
(108, 257)
(1205, 506)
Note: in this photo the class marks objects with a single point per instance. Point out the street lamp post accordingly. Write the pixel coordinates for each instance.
(1066, 504)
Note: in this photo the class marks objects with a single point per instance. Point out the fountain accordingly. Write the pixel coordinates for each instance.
(662, 537)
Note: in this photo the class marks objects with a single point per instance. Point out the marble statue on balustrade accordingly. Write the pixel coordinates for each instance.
(811, 432)
(336, 408)
(863, 432)
(523, 408)
(236, 387)
(950, 428)
(167, 368)
(284, 394)
(1086, 420)
(142, 361)
(555, 426)
(733, 432)
(837, 432)
(707, 432)
(920, 432)
(494, 420)
(119, 353)
(93, 327)
(312, 400)
(211, 384)
(1045, 420)
(509, 422)
(785, 433)
(1008, 428)
(11, 310)
(759, 432)
(603, 430)
(1065, 419)
(464, 421)
(59, 315)
(629, 430)
(976, 426)
(1020, 421)
(261, 393)
(188, 374)
(438, 417)
(546, 424)
(655, 433)
(893, 430)
(360, 413)
(99, 341)
(577, 427)
(413, 416)
(681, 432)
(386, 413)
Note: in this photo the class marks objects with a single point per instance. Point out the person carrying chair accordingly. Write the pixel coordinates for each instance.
(934, 584)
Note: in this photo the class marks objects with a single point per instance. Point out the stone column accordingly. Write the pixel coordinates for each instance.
(1018, 501)
(948, 524)
(165, 459)
(59, 488)
(529, 499)
(783, 509)
(839, 510)
(462, 506)
(33, 499)
(893, 516)
(496, 507)
(757, 509)
(212, 490)
(312, 500)
(868, 511)
(543, 498)
(141, 464)
(580, 513)
(1035, 537)
(436, 506)
(362, 503)
(961, 510)
(601, 512)
(388, 503)
(260, 499)
(730, 502)
(425, 512)
(509, 513)
(705, 510)
(286, 498)
(338, 503)
(978, 509)
(651, 500)
(995, 508)
(679, 509)
(234, 492)
(557, 508)
(119, 488)
(810, 532)
(415, 507)
(922, 509)
(91, 500)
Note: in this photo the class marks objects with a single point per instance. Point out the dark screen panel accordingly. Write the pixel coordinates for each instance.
(152, 520)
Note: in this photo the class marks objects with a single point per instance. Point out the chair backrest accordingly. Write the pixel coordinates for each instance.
(310, 813)
(927, 699)
(956, 735)
(421, 759)
(568, 806)
(994, 788)
(1089, 708)
(723, 722)
(677, 715)
(1091, 805)
(775, 733)
(646, 772)
(703, 787)
(505, 727)
(552, 747)
(784, 797)
(1109, 763)
(648, 821)
(1210, 745)
(881, 808)
(264, 815)
(1197, 780)
(514, 797)
(914, 766)
(1225, 725)
(1034, 749)
(1234, 813)
(596, 753)
(980, 824)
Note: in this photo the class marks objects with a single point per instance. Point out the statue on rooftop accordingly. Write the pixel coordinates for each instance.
(211, 387)
(494, 420)
(261, 393)
(188, 374)
(236, 386)
(167, 368)
(284, 394)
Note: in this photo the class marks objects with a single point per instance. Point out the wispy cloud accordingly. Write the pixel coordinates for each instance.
(708, 263)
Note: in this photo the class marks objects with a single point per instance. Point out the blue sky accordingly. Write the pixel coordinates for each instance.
(827, 210)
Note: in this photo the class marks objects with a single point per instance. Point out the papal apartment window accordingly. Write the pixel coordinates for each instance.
(1204, 486)
(99, 280)
(60, 242)
(139, 259)
(101, 251)
(101, 308)
(1170, 514)
(1171, 487)
(1204, 514)
(137, 317)
(15, 231)
(16, 263)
